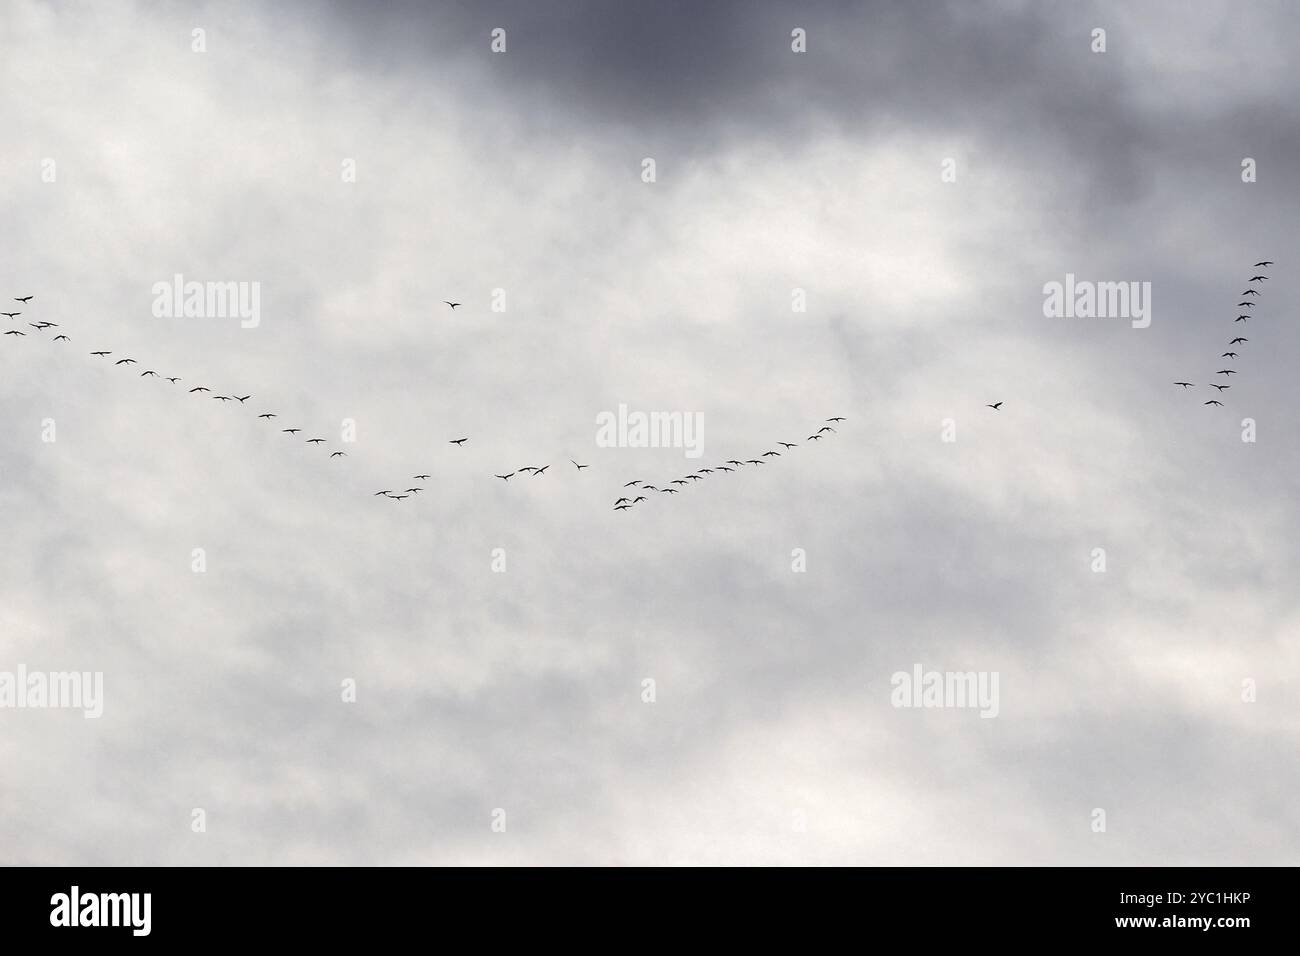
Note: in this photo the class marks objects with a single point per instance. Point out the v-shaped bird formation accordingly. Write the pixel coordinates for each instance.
(1250, 297)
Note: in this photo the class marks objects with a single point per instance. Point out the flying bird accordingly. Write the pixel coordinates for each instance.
(291, 431)
(1259, 278)
(414, 491)
(540, 471)
(421, 477)
(1259, 264)
(221, 398)
(125, 362)
(388, 491)
(835, 419)
(1184, 384)
(620, 501)
(726, 469)
(343, 454)
(1242, 318)
(16, 332)
(736, 463)
(101, 353)
(695, 477)
(200, 388)
(638, 498)
(1227, 371)
(1238, 339)
(1245, 305)
(650, 488)
(678, 481)
(62, 338)
(631, 483)
(243, 399)
(668, 491)
(314, 441)
(815, 437)
(460, 441)
(621, 507)
(1212, 402)
(12, 315)
(788, 444)
(579, 467)
(174, 380)
(149, 372)
(755, 461)
(506, 478)
(25, 299)
(267, 415)
(1228, 355)
(1222, 388)
(995, 406)
(767, 453)
(827, 428)
(1250, 292)
(398, 497)
(452, 304)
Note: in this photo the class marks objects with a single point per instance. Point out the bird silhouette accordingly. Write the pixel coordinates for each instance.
(1242, 318)
(101, 353)
(540, 471)
(695, 477)
(222, 398)
(421, 477)
(459, 441)
(620, 501)
(815, 437)
(62, 338)
(1184, 384)
(755, 461)
(1250, 292)
(725, 468)
(149, 372)
(387, 491)
(125, 362)
(452, 304)
(1245, 305)
(1212, 402)
(835, 419)
(267, 415)
(12, 315)
(314, 441)
(621, 507)
(638, 498)
(1259, 264)
(1259, 278)
(414, 491)
(827, 428)
(174, 380)
(995, 406)
(769, 453)
(338, 454)
(1227, 371)
(1237, 340)
(398, 497)
(633, 482)
(668, 491)
(1228, 355)
(579, 467)
(1222, 388)
(16, 332)
(650, 488)
(506, 478)
(25, 299)
(788, 444)
(678, 481)
(291, 431)
(736, 463)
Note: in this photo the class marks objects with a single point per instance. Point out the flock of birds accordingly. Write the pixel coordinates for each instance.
(199, 390)
(625, 503)
(1245, 303)
(536, 471)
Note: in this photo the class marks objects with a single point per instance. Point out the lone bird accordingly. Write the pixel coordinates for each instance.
(460, 441)
(835, 419)
(1228, 355)
(24, 299)
(1213, 402)
(579, 467)
(339, 454)
(267, 415)
(995, 406)
(291, 431)
(1237, 340)
(452, 304)
(101, 353)
(1227, 371)
(1184, 384)
(421, 477)
(174, 380)
(1259, 264)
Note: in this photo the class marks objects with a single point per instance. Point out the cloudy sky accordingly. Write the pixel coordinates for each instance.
(513, 182)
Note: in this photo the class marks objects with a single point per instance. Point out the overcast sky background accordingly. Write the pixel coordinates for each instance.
(522, 690)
